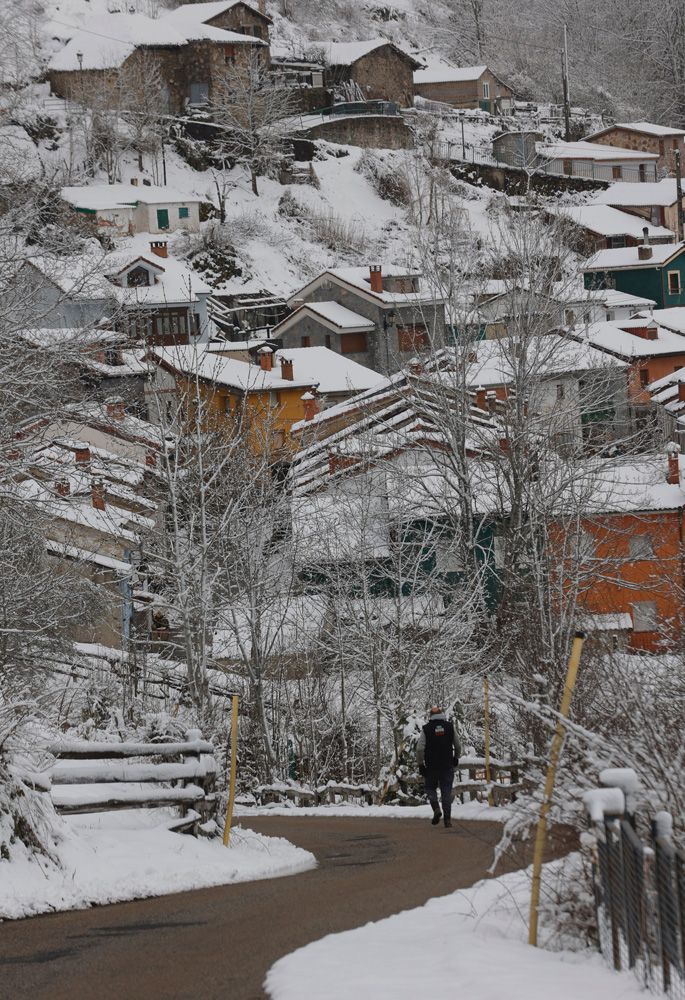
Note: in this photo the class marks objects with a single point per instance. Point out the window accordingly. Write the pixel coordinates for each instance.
(674, 282)
(229, 55)
(641, 172)
(328, 342)
(610, 315)
(183, 213)
(616, 242)
(486, 90)
(641, 547)
(644, 616)
(644, 378)
(199, 93)
(138, 277)
(661, 147)
(616, 173)
(227, 404)
(412, 338)
(569, 317)
(305, 341)
(560, 390)
(353, 343)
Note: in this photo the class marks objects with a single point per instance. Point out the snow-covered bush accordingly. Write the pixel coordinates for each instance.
(388, 182)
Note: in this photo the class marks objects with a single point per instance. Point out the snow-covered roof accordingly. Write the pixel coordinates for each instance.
(335, 317)
(190, 22)
(630, 485)
(610, 298)
(333, 372)
(106, 41)
(208, 11)
(87, 555)
(628, 257)
(358, 279)
(590, 151)
(607, 221)
(346, 53)
(128, 427)
(95, 197)
(175, 282)
(449, 74)
(660, 193)
(616, 622)
(624, 344)
(671, 319)
(195, 359)
(645, 128)
(552, 355)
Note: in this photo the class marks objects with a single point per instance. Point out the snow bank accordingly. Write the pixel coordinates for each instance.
(469, 810)
(111, 857)
(471, 943)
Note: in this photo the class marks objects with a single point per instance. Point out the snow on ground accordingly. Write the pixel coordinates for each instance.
(472, 942)
(467, 811)
(111, 857)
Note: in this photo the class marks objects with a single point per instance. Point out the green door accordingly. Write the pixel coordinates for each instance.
(162, 218)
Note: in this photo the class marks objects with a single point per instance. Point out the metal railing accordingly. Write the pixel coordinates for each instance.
(466, 152)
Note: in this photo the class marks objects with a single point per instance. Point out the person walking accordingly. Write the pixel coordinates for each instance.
(437, 754)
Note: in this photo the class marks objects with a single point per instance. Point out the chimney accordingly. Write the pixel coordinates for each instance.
(287, 369)
(151, 459)
(481, 398)
(491, 400)
(311, 405)
(82, 454)
(159, 248)
(266, 358)
(97, 492)
(681, 392)
(376, 278)
(644, 251)
(114, 407)
(504, 445)
(62, 487)
(646, 332)
(134, 181)
(673, 451)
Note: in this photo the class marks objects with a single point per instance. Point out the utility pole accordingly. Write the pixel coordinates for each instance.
(679, 194)
(463, 144)
(163, 154)
(567, 101)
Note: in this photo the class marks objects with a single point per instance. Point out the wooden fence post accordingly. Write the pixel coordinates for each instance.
(234, 760)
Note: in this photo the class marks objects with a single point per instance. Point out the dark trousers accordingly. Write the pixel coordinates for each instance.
(444, 779)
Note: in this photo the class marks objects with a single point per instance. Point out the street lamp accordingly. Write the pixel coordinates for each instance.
(79, 56)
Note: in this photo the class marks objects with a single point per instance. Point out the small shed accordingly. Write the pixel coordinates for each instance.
(516, 149)
(474, 87)
(373, 70)
(126, 209)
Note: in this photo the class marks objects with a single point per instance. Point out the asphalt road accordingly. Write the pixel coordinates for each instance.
(220, 943)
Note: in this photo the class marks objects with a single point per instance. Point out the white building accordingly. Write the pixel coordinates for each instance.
(126, 209)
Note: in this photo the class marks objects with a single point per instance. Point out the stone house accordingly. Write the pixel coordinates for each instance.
(597, 161)
(645, 137)
(374, 70)
(379, 317)
(115, 51)
(474, 87)
(588, 228)
(125, 209)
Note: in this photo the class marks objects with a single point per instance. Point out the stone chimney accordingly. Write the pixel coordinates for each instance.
(673, 451)
(266, 358)
(681, 392)
(376, 278)
(114, 408)
(97, 492)
(491, 400)
(644, 251)
(82, 454)
(287, 369)
(134, 181)
(481, 398)
(159, 248)
(311, 405)
(62, 487)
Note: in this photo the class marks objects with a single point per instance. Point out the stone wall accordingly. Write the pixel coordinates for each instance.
(368, 131)
(383, 75)
(627, 139)
(512, 180)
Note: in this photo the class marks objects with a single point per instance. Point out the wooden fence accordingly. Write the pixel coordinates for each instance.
(506, 782)
(92, 777)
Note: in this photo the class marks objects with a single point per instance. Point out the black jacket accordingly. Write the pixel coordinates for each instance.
(438, 746)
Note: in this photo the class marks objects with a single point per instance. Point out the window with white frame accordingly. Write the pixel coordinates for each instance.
(644, 616)
(486, 90)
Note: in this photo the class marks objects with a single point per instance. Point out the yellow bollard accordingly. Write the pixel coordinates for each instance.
(486, 710)
(555, 752)
(234, 760)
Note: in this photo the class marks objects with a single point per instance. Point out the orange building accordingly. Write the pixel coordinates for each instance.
(633, 549)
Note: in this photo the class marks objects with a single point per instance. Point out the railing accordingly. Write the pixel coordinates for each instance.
(458, 152)
(100, 777)
(640, 902)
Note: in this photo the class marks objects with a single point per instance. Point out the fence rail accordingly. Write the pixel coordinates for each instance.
(90, 777)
